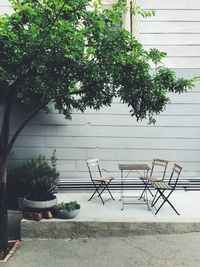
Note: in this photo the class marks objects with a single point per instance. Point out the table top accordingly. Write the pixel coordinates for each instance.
(128, 166)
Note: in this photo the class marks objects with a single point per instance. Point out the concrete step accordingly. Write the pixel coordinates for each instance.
(97, 220)
(64, 229)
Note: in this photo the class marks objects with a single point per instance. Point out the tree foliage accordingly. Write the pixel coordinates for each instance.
(84, 61)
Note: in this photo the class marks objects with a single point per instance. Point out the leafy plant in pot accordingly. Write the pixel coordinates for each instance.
(42, 180)
(68, 210)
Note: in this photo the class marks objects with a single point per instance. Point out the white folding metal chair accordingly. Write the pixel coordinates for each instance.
(100, 182)
(159, 166)
(162, 186)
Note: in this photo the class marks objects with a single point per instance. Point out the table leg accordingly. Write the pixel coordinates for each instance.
(146, 194)
(122, 189)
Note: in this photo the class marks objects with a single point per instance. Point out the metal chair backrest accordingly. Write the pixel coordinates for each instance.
(93, 164)
(162, 164)
(176, 170)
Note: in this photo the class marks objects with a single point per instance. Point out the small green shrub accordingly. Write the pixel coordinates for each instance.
(37, 178)
(72, 205)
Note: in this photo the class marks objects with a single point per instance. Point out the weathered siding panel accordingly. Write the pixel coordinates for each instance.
(175, 15)
(5, 7)
(175, 30)
(172, 27)
(171, 4)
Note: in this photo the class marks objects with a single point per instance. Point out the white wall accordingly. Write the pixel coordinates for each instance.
(175, 29)
(5, 7)
(111, 134)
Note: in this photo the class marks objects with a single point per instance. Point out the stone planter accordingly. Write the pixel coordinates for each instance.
(66, 214)
(32, 204)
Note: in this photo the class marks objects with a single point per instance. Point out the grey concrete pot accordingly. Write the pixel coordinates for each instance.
(40, 204)
(66, 214)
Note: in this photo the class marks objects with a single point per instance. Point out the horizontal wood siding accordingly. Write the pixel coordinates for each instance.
(111, 134)
(171, 4)
(5, 7)
(175, 29)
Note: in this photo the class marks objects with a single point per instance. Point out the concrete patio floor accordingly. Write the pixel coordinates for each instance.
(97, 220)
(187, 204)
(132, 244)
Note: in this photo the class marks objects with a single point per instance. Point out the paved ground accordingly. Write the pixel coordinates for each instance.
(157, 250)
(152, 250)
(184, 201)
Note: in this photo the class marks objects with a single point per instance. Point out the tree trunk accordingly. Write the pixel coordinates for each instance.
(3, 207)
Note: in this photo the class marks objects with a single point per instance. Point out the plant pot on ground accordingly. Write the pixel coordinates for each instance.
(68, 210)
(41, 193)
(42, 179)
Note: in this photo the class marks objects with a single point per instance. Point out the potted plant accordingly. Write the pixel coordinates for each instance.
(42, 179)
(68, 210)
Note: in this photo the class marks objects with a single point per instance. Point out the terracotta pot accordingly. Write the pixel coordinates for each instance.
(33, 204)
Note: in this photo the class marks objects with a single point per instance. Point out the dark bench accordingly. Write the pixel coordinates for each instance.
(131, 184)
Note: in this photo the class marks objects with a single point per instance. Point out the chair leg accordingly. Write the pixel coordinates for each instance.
(109, 190)
(146, 188)
(166, 200)
(155, 200)
(102, 199)
(97, 191)
(142, 193)
(104, 186)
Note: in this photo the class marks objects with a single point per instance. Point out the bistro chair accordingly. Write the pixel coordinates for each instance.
(101, 183)
(158, 166)
(163, 187)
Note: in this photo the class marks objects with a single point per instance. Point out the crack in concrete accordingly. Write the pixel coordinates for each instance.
(144, 251)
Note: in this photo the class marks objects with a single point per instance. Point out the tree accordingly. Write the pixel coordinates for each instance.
(62, 52)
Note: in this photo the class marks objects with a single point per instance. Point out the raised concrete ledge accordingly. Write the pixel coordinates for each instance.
(97, 220)
(54, 229)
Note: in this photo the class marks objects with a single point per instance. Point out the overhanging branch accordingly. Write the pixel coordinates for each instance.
(34, 113)
(13, 139)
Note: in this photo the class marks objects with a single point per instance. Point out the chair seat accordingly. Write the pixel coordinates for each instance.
(161, 185)
(153, 179)
(103, 179)
(150, 179)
